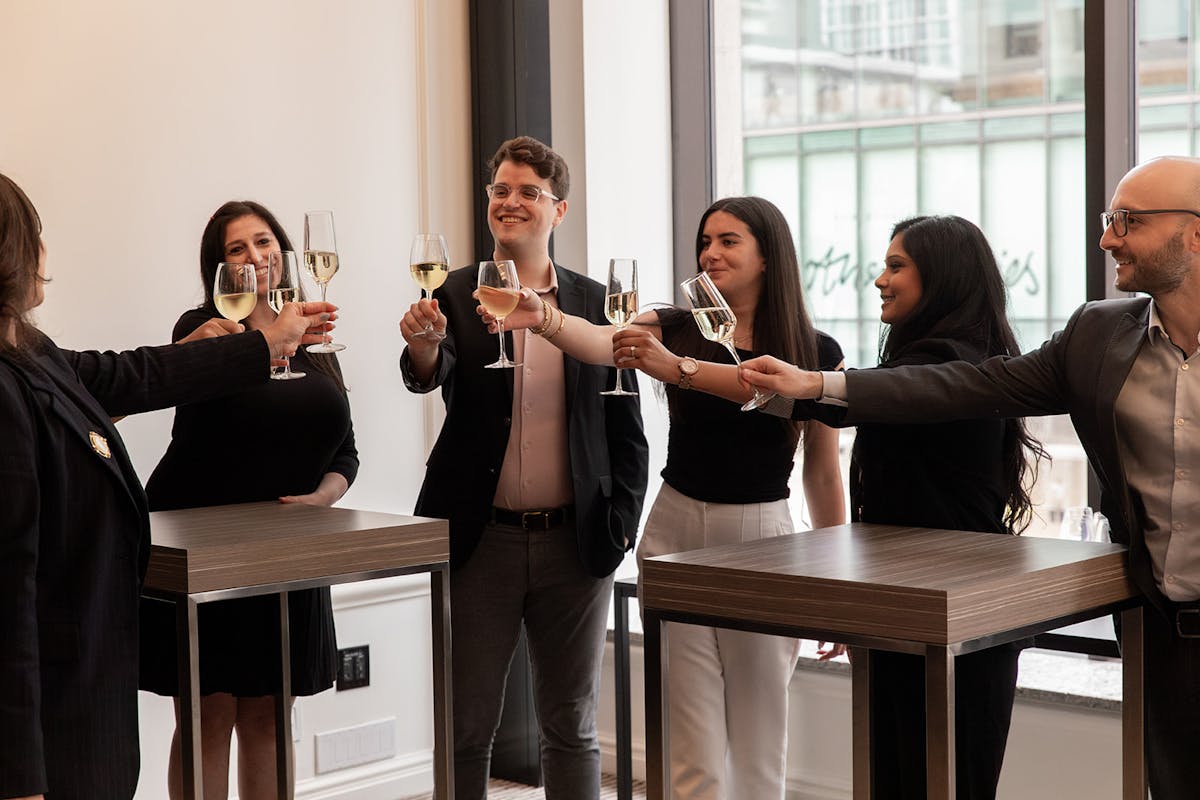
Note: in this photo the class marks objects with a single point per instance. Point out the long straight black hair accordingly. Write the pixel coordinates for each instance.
(963, 299)
(212, 253)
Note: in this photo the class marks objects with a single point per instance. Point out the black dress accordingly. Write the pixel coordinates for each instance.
(289, 435)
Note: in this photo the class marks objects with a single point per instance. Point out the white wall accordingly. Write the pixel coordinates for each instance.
(129, 122)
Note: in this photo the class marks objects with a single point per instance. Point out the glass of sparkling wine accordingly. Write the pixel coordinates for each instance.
(499, 292)
(321, 261)
(717, 323)
(283, 287)
(429, 263)
(235, 290)
(621, 304)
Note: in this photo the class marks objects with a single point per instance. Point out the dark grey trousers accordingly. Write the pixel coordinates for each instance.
(1172, 693)
(534, 577)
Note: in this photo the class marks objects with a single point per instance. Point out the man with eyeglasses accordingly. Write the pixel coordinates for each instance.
(542, 480)
(1128, 372)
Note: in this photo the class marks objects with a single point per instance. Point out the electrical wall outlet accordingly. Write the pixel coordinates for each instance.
(354, 667)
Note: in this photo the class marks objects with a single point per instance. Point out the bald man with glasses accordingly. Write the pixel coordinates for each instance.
(1128, 373)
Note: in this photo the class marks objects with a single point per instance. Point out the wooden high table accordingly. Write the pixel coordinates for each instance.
(914, 590)
(204, 554)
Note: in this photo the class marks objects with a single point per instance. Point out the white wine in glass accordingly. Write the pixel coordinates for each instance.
(429, 264)
(621, 305)
(283, 287)
(499, 292)
(235, 290)
(321, 261)
(717, 323)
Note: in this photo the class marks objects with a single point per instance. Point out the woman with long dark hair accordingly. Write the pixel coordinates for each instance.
(295, 444)
(943, 299)
(74, 529)
(725, 481)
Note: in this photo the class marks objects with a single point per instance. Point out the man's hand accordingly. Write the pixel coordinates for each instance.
(413, 326)
(217, 326)
(298, 324)
(782, 378)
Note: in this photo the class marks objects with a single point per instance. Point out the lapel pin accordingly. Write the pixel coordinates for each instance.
(99, 444)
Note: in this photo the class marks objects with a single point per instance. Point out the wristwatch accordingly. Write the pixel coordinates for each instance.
(687, 369)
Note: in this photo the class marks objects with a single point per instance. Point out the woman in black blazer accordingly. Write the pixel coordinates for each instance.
(74, 530)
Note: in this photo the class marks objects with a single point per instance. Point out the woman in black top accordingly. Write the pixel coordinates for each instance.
(943, 300)
(725, 481)
(295, 444)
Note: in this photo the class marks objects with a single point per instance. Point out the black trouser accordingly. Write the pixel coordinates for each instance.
(1172, 695)
(984, 688)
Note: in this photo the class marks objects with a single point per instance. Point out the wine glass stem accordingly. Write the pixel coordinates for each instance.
(758, 394)
(324, 336)
(500, 333)
(425, 295)
(287, 366)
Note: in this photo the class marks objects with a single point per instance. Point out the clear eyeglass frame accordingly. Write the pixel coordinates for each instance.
(527, 193)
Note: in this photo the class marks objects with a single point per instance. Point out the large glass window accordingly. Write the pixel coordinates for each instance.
(859, 113)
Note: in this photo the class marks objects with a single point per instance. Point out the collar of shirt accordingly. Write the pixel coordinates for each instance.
(552, 287)
(1156, 331)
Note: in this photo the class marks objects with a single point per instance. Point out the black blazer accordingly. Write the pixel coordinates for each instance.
(608, 450)
(74, 542)
(1080, 371)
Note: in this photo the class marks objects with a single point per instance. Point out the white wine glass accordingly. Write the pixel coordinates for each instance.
(321, 261)
(499, 293)
(621, 305)
(717, 323)
(235, 290)
(429, 263)
(283, 286)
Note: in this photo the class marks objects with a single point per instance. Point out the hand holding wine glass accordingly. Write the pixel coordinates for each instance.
(499, 291)
(283, 287)
(235, 290)
(429, 264)
(621, 304)
(321, 261)
(717, 323)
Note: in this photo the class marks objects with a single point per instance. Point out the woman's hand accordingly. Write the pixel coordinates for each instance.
(298, 324)
(333, 485)
(412, 326)
(826, 651)
(217, 326)
(782, 378)
(639, 348)
(527, 314)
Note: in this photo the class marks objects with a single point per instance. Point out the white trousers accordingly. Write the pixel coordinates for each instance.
(727, 691)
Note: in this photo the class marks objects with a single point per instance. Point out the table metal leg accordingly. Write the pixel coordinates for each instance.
(191, 757)
(939, 722)
(285, 785)
(1133, 709)
(656, 717)
(443, 702)
(860, 703)
(622, 689)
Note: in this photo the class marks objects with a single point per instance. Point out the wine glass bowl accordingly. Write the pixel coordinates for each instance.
(621, 305)
(717, 323)
(283, 287)
(429, 264)
(499, 291)
(235, 290)
(321, 261)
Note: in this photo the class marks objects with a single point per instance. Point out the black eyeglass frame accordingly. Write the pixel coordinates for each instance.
(1118, 218)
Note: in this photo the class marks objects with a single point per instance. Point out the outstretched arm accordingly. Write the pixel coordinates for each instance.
(787, 380)
(641, 348)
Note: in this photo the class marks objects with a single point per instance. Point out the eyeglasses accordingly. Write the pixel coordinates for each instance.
(526, 194)
(1118, 218)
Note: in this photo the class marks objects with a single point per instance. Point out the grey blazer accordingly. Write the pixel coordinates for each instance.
(1079, 371)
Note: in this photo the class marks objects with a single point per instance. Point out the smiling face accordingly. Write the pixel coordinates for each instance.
(518, 226)
(899, 284)
(1158, 251)
(730, 255)
(249, 240)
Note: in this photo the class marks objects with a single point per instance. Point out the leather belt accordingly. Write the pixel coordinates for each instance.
(540, 519)
(1187, 620)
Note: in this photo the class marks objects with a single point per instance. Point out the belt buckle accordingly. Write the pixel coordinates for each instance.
(526, 516)
(1187, 623)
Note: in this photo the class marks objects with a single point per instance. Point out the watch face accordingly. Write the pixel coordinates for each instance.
(688, 366)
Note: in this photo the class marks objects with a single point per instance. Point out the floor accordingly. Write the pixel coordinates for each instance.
(503, 790)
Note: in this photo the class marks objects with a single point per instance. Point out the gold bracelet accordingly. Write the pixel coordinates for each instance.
(562, 323)
(547, 318)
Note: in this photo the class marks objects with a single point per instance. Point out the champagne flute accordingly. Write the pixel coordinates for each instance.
(717, 323)
(429, 264)
(499, 292)
(321, 261)
(621, 304)
(235, 290)
(283, 286)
